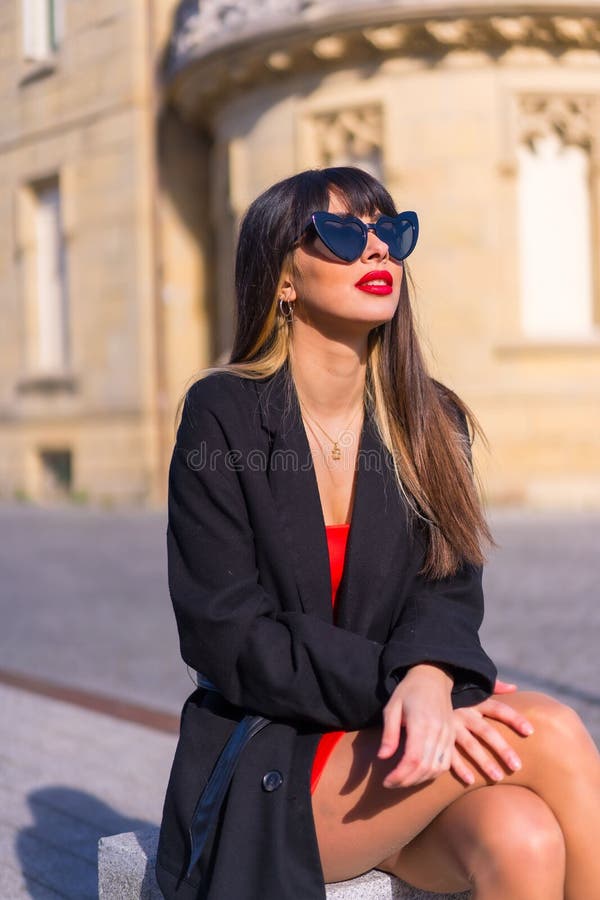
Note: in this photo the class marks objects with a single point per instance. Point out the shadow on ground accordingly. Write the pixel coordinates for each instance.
(73, 819)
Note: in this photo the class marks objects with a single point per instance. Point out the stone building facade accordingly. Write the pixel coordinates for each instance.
(78, 387)
(160, 122)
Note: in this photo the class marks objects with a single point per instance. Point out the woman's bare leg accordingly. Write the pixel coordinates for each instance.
(360, 823)
(501, 841)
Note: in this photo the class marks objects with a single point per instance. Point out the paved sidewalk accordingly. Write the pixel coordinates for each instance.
(542, 621)
(85, 604)
(67, 777)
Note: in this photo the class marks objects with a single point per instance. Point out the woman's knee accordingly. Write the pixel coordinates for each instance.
(515, 832)
(555, 720)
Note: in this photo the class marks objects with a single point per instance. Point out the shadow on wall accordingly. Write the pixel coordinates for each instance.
(60, 849)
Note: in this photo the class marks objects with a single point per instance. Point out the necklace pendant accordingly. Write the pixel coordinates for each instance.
(336, 453)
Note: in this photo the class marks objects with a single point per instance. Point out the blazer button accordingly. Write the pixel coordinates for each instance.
(272, 780)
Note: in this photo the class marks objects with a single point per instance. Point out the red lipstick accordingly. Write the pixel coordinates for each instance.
(379, 282)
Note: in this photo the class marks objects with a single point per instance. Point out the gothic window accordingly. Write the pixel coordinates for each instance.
(351, 137)
(555, 217)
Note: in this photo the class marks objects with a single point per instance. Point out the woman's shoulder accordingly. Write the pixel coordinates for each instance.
(217, 398)
(229, 398)
(217, 388)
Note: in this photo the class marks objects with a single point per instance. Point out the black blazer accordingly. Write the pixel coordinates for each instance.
(250, 584)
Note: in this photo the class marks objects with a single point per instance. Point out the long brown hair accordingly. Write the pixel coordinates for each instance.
(422, 423)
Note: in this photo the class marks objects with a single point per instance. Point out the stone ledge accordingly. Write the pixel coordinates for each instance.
(126, 872)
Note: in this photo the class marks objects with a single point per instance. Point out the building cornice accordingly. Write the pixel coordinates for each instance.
(219, 49)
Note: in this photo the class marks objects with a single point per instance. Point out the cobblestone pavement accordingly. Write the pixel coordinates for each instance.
(85, 603)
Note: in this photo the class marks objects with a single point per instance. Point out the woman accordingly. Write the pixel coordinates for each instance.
(325, 560)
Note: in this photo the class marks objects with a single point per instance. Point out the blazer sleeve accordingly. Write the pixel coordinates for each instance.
(439, 623)
(440, 620)
(284, 665)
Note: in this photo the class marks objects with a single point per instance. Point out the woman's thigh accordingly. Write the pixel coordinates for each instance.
(359, 823)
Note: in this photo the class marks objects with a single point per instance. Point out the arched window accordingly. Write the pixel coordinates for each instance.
(555, 222)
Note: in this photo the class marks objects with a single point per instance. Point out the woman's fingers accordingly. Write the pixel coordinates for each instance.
(504, 687)
(487, 737)
(495, 709)
(418, 751)
(477, 738)
(427, 753)
(429, 748)
(481, 756)
(460, 768)
(421, 705)
(416, 747)
(392, 723)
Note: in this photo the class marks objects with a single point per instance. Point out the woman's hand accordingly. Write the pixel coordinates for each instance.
(421, 703)
(477, 737)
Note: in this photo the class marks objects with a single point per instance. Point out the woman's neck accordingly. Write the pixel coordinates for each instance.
(329, 380)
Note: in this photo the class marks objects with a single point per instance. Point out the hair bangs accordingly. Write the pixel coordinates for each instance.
(360, 192)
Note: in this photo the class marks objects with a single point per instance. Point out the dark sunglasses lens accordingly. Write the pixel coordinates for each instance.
(399, 234)
(344, 238)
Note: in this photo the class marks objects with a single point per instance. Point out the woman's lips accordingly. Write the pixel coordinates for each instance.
(376, 283)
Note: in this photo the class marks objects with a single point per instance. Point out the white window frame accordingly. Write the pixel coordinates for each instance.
(555, 229)
(51, 286)
(42, 28)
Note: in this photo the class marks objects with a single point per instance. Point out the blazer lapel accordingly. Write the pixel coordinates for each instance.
(378, 528)
(378, 537)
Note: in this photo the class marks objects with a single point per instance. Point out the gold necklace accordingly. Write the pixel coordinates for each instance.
(321, 447)
(336, 453)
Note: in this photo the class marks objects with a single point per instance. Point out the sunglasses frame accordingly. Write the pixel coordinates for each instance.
(408, 215)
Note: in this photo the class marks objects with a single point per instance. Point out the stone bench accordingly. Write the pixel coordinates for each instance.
(126, 872)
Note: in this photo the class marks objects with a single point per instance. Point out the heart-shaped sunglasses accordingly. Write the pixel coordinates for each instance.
(346, 236)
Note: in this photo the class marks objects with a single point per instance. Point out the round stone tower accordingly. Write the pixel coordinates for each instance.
(485, 118)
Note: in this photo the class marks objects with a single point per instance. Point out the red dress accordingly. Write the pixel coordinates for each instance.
(337, 535)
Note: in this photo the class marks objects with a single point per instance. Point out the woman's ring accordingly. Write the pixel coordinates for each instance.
(441, 759)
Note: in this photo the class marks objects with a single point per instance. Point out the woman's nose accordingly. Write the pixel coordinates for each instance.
(375, 248)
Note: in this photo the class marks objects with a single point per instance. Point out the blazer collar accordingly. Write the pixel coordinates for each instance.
(379, 521)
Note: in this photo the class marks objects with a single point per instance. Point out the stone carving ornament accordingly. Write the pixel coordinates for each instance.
(349, 134)
(311, 30)
(570, 117)
(199, 22)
